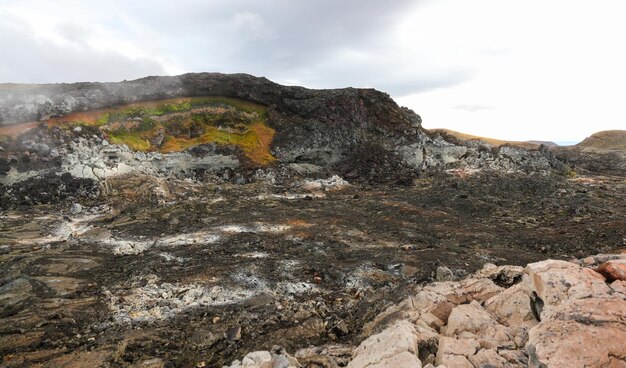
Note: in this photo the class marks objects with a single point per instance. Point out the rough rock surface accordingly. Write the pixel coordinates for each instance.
(583, 322)
(445, 323)
(551, 282)
(397, 345)
(613, 270)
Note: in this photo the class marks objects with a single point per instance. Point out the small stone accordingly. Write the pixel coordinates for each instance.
(262, 359)
(341, 328)
(233, 333)
(152, 363)
(409, 271)
(444, 274)
(76, 209)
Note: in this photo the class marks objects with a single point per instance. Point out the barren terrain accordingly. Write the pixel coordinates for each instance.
(190, 273)
(144, 226)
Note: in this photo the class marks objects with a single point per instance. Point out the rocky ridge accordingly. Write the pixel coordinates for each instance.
(359, 134)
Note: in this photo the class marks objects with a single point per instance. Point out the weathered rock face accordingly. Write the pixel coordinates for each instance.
(474, 323)
(313, 125)
(583, 318)
(552, 282)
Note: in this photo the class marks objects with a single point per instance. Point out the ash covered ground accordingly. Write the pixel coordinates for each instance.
(190, 273)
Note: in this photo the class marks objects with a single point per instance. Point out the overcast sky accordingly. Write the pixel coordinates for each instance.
(510, 69)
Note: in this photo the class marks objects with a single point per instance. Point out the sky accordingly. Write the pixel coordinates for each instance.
(518, 70)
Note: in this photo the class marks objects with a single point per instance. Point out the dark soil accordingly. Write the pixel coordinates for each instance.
(363, 248)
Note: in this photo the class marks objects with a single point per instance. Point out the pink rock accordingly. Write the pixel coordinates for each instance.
(511, 307)
(394, 345)
(441, 297)
(619, 287)
(554, 281)
(432, 305)
(455, 352)
(580, 333)
(402, 360)
(564, 344)
(471, 320)
(613, 270)
(487, 358)
(591, 311)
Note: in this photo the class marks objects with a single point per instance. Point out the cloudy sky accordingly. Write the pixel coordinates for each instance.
(510, 69)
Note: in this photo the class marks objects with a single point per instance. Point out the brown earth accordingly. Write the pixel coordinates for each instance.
(492, 141)
(608, 140)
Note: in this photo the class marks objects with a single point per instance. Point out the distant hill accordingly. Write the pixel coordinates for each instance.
(494, 142)
(608, 140)
(545, 143)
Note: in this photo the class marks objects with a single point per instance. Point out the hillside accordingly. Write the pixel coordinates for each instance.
(203, 125)
(492, 141)
(608, 140)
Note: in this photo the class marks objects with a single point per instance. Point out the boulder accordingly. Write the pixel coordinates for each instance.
(405, 310)
(487, 358)
(261, 359)
(515, 358)
(552, 281)
(444, 274)
(396, 346)
(265, 359)
(598, 259)
(441, 297)
(570, 329)
(511, 307)
(432, 305)
(558, 344)
(619, 288)
(471, 320)
(401, 360)
(476, 323)
(455, 352)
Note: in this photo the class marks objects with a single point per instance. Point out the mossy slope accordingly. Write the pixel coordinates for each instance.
(174, 125)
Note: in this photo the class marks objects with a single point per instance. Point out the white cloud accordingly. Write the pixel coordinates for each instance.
(252, 25)
(549, 70)
(559, 75)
